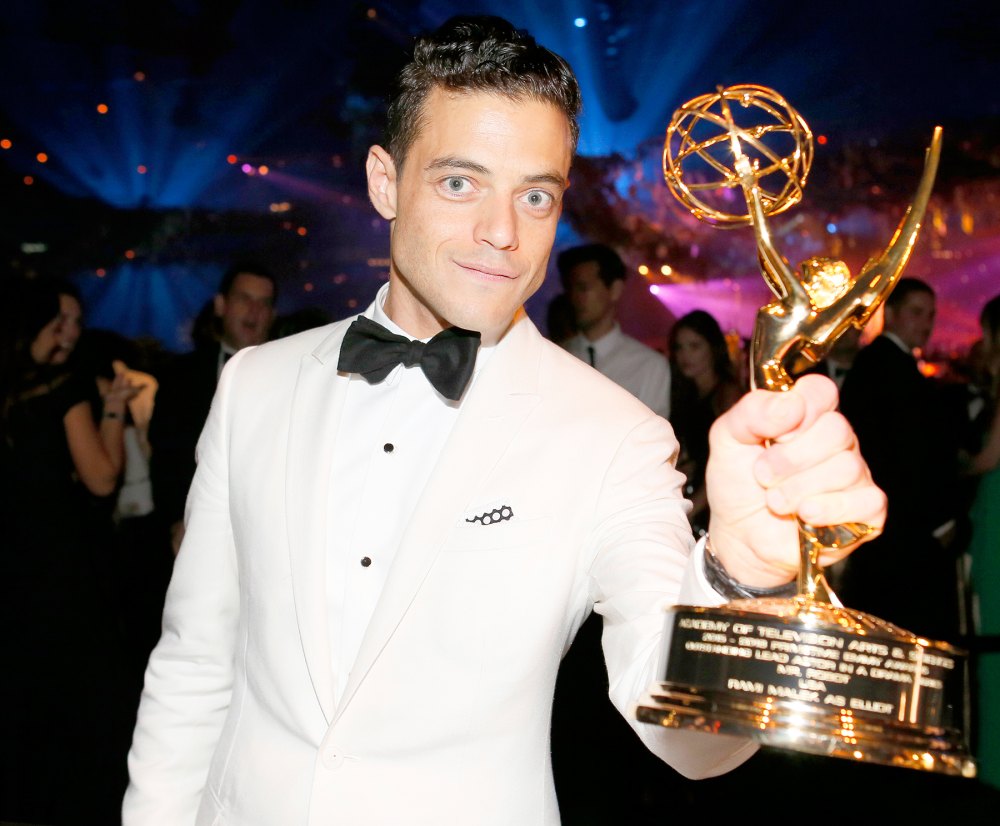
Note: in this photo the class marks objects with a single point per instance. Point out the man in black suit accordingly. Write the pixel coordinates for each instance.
(243, 309)
(907, 433)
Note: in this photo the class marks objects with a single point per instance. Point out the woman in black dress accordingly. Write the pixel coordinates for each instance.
(703, 386)
(64, 733)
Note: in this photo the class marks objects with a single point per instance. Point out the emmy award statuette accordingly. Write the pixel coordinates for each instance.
(802, 672)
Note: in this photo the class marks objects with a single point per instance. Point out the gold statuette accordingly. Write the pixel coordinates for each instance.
(801, 672)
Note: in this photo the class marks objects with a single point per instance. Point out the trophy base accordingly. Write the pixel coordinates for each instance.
(812, 677)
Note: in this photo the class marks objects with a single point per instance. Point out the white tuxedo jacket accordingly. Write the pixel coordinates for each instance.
(445, 718)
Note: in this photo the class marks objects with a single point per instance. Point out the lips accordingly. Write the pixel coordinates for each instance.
(488, 270)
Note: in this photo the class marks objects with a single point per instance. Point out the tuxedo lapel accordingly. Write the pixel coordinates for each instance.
(495, 407)
(316, 408)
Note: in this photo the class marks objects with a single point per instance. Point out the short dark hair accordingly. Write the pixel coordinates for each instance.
(906, 287)
(251, 268)
(477, 54)
(610, 266)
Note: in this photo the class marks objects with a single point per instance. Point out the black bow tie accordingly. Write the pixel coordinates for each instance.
(447, 359)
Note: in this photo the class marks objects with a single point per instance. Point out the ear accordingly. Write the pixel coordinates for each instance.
(616, 289)
(382, 182)
(219, 304)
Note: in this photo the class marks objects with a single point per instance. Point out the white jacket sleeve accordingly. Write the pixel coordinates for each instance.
(188, 682)
(644, 563)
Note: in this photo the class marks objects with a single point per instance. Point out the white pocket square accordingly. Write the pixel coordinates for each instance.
(491, 516)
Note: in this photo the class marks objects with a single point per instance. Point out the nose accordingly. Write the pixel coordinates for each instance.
(497, 224)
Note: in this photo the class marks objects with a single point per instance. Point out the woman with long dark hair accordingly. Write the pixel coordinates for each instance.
(64, 739)
(703, 386)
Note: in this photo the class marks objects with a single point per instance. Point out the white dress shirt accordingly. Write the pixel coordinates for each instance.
(399, 427)
(641, 370)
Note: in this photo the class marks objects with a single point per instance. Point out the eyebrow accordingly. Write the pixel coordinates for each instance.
(454, 162)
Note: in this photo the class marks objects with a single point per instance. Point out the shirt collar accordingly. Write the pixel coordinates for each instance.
(606, 343)
(898, 342)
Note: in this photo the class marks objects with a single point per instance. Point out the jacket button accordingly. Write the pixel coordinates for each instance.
(332, 759)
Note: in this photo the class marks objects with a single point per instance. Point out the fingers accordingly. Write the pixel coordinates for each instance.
(820, 476)
(865, 504)
(828, 436)
(764, 415)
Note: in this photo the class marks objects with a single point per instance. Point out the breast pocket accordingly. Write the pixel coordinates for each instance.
(473, 537)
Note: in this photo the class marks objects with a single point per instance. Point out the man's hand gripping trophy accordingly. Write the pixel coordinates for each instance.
(812, 306)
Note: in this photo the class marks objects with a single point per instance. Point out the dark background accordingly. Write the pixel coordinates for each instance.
(141, 206)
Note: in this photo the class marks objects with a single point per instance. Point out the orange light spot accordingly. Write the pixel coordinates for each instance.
(28, 180)
(821, 140)
(141, 169)
(231, 159)
(263, 169)
(308, 286)
(301, 230)
(102, 108)
(41, 157)
(101, 272)
(5, 144)
(139, 77)
(130, 254)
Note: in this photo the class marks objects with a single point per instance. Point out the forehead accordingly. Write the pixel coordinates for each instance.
(918, 302)
(689, 336)
(585, 271)
(525, 130)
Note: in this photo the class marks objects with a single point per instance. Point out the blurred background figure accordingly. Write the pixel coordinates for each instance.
(141, 562)
(70, 321)
(984, 552)
(241, 316)
(65, 722)
(909, 427)
(704, 385)
(593, 278)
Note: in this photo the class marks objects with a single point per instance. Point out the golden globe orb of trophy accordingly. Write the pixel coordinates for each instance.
(803, 672)
(698, 153)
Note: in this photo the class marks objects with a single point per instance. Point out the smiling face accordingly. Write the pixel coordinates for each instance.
(474, 210)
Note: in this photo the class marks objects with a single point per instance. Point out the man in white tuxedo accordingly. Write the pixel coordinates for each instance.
(383, 564)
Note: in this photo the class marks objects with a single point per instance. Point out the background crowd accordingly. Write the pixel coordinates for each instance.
(97, 450)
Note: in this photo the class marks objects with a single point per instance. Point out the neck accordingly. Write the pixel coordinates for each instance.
(599, 329)
(705, 383)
